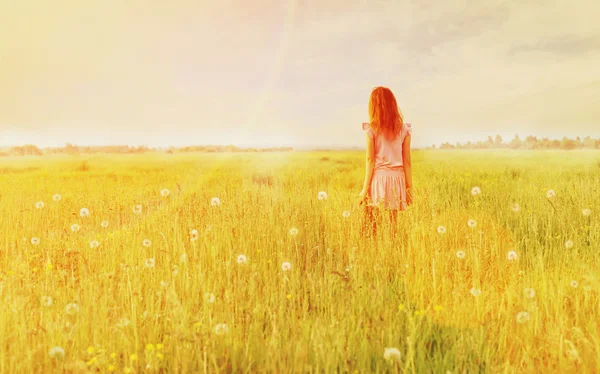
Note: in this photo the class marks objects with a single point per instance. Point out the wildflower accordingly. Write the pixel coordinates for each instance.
(123, 322)
(569, 244)
(391, 354)
(286, 266)
(183, 258)
(209, 297)
(400, 307)
(149, 263)
(194, 235)
(160, 356)
(574, 284)
(113, 355)
(215, 201)
(46, 301)
(460, 254)
(472, 223)
(322, 195)
(241, 259)
(586, 212)
(111, 368)
(84, 212)
(72, 309)
(438, 308)
(164, 284)
(515, 207)
(221, 329)
(529, 293)
(56, 352)
(91, 350)
(512, 256)
(550, 194)
(475, 191)
(57, 197)
(293, 231)
(346, 213)
(39, 205)
(475, 291)
(523, 317)
(94, 244)
(419, 313)
(35, 240)
(165, 192)
(159, 346)
(133, 357)
(288, 296)
(75, 227)
(441, 229)
(104, 224)
(147, 243)
(137, 209)
(149, 347)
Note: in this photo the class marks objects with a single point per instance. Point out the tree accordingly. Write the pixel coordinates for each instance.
(516, 142)
(498, 140)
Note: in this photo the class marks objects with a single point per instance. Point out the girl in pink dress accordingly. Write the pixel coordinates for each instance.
(388, 175)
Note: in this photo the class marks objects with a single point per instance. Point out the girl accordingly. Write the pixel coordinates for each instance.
(388, 174)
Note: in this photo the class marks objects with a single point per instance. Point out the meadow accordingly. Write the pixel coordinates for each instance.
(255, 262)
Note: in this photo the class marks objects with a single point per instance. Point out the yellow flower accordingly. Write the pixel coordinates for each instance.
(268, 261)
(91, 350)
(400, 307)
(92, 361)
(197, 324)
(159, 346)
(419, 312)
(127, 370)
(258, 251)
(160, 356)
(111, 368)
(113, 355)
(438, 308)
(289, 296)
(133, 357)
(149, 347)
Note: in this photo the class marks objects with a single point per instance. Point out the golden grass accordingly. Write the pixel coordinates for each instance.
(345, 298)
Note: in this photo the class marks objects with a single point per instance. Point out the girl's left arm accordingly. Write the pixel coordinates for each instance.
(369, 165)
(407, 164)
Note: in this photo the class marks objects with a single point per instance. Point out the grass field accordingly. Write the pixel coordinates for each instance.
(162, 287)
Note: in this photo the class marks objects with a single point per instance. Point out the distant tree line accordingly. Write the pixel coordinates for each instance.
(530, 142)
(70, 149)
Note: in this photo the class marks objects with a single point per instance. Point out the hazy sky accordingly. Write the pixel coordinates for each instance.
(294, 72)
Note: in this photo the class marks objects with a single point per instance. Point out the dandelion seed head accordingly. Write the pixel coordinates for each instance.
(46, 301)
(221, 329)
(56, 352)
(209, 298)
(523, 317)
(194, 235)
(72, 309)
(574, 283)
(56, 197)
(586, 212)
(137, 209)
(461, 254)
(94, 244)
(475, 191)
(286, 266)
(39, 205)
(475, 292)
(149, 263)
(512, 256)
(569, 244)
(346, 213)
(147, 243)
(75, 227)
(472, 223)
(84, 212)
(241, 259)
(392, 354)
(35, 240)
(104, 224)
(322, 195)
(165, 192)
(550, 194)
(215, 201)
(441, 229)
(293, 231)
(515, 207)
(529, 293)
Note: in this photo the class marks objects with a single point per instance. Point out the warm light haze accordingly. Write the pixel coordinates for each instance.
(297, 73)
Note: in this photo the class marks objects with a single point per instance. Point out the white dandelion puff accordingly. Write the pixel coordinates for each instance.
(515, 207)
(72, 309)
(215, 201)
(104, 224)
(137, 209)
(84, 212)
(209, 298)
(46, 301)
(472, 223)
(35, 240)
(75, 227)
(164, 284)
(475, 190)
(221, 329)
(57, 197)
(241, 259)
(586, 212)
(149, 263)
(512, 256)
(461, 254)
(529, 293)
(147, 243)
(94, 244)
(569, 244)
(322, 195)
(165, 192)
(286, 266)
(574, 283)
(294, 231)
(194, 235)
(346, 213)
(475, 292)
(40, 205)
(550, 194)
(523, 317)
(441, 229)
(391, 354)
(56, 352)
(123, 322)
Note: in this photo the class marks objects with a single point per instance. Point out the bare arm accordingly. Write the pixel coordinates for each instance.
(369, 165)
(407, 164)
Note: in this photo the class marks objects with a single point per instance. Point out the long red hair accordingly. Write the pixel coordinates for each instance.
(384, 113)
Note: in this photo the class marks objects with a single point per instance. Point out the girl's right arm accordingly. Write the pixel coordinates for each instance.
(407, 164)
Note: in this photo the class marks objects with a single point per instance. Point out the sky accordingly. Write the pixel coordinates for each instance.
(294, 72)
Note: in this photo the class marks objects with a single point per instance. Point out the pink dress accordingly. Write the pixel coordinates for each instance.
(388, 186)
